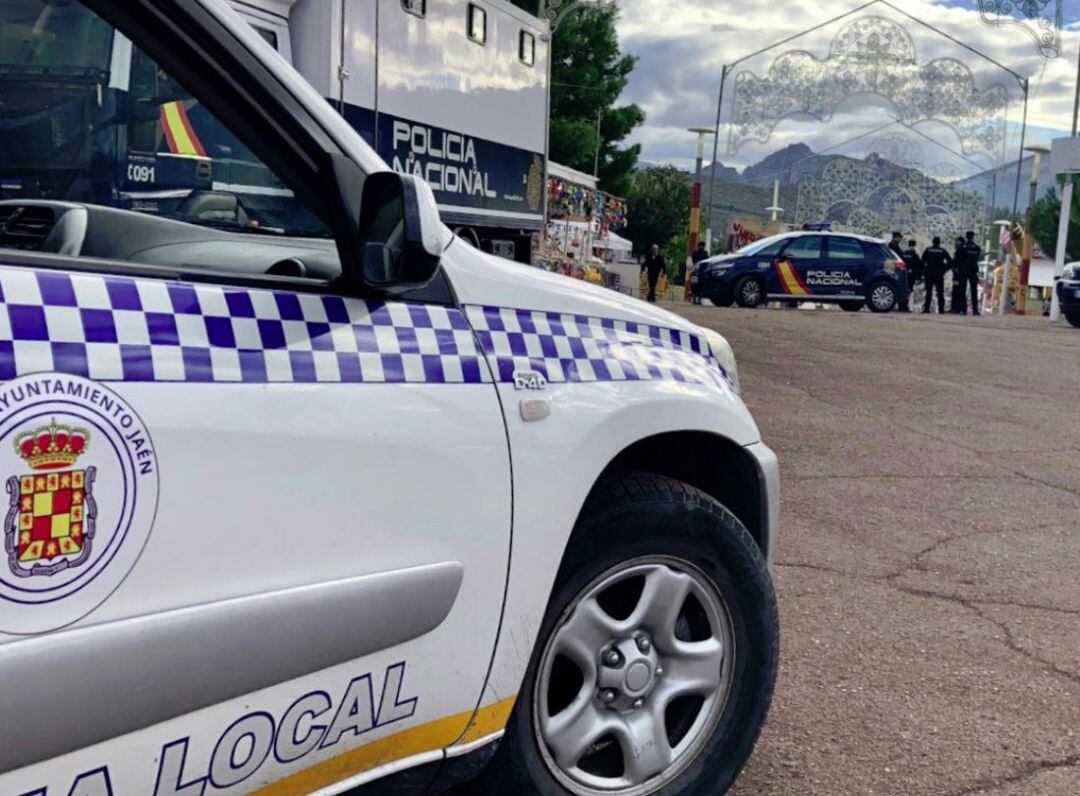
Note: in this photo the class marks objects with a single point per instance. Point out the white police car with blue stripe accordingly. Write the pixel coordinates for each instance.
(306, 495)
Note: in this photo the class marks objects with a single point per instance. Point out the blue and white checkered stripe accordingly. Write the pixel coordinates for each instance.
(580, 348)
(113, 328)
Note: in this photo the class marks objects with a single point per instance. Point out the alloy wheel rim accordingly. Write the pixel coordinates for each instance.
(634, 679)
(882, 297)
(751, 292)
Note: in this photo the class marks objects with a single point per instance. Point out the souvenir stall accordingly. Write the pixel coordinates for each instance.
(581, 239)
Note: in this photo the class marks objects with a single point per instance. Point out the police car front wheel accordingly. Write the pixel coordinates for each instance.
(749, 292)
(882, 297)
(656, 661)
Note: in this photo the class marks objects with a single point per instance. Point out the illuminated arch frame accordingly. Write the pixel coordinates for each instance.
(1044, 28)
(870, 55)
(727, 69)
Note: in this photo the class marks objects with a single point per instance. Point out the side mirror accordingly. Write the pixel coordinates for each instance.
(400, 234)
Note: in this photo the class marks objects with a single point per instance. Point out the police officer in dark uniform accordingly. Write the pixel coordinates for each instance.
(968, 271)
(894, 244)
(936, 261)
(913, 263)
(700, 253)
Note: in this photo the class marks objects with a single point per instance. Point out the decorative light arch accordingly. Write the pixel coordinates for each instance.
(1041, 19)
(887, 54)
(870, 55)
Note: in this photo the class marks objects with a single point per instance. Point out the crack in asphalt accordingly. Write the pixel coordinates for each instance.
(1030, 770)
(916, 564)
(1049, 484)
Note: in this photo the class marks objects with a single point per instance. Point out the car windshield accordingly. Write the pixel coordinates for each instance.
(86, 116)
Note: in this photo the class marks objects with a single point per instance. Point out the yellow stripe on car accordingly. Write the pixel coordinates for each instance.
(429, 737)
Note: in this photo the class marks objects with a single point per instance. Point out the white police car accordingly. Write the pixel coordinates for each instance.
(306, 493)
(812, 265)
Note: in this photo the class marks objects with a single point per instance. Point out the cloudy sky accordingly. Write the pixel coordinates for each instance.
(682, 45)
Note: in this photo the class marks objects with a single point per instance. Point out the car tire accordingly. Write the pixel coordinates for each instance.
(1073, 317)
(648, 528)
(881, 297)
(852, 306)
(749, 292)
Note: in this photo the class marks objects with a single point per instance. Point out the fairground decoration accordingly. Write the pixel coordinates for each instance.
(871, 55)
(887, 191)
(554, 11)
(1041, 19)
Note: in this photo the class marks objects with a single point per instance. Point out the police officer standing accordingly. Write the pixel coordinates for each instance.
(968, 271)
(936, 261)
(913, 263)
(894, 244)
(654, 265)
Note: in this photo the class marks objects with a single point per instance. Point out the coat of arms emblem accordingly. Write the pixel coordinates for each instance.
(50, 523)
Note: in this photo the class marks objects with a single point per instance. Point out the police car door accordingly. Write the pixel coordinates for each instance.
(256, 528)
(798, 266)
(847, 265)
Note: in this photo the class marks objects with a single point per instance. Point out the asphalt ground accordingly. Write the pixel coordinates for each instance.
(929, 563)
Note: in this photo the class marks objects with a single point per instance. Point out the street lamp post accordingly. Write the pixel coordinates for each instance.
(695, 209)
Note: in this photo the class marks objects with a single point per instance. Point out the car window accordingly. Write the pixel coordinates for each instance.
(845, 249)
(86, 116)
(765, 247)
(806, 247)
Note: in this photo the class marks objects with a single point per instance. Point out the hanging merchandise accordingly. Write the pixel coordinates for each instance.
(567, 200)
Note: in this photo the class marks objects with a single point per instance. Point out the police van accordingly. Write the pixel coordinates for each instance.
(454, 93)
(811, 265)
(316, 496)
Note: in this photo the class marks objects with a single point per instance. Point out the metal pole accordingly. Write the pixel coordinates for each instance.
(547, 135)
(715, 149)
(1062, 242)
(599, 141)
(1020, 160)
(1076, 102)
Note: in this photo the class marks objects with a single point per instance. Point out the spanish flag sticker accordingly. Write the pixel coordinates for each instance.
(790, 280)
(178, 131)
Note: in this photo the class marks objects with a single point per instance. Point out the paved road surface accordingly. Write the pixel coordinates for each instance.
(929, 569)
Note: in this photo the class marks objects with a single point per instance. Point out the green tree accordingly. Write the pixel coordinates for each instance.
(1045, 217)
(658, 206)
(589, 72)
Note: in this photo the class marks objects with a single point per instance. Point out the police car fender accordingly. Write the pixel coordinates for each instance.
(557, 461)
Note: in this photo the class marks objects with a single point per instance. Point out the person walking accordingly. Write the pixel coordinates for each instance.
(936, 261)
(914, 265)
(968, 272)
(653, 266)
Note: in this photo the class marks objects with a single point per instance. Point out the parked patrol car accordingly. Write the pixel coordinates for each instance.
(1068, 291)
(812, 265)
(308, 493)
